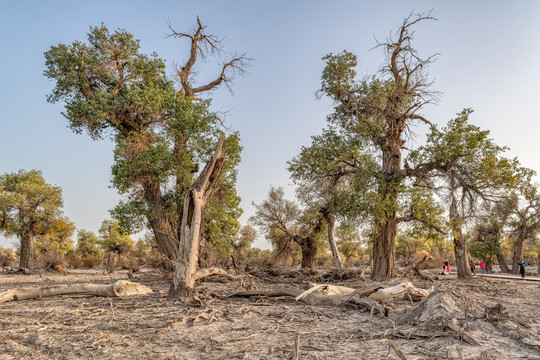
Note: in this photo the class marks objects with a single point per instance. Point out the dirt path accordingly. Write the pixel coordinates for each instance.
(152, 327)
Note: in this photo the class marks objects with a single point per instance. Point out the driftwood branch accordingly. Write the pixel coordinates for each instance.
(120, 288)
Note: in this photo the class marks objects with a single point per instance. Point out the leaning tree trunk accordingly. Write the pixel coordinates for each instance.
(516, 253)
(331, 219)
(194, 201)
(502, 264)
(27, 251)
(460, 249)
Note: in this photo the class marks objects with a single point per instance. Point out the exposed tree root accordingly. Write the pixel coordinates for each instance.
(120, 288)
(437, 315)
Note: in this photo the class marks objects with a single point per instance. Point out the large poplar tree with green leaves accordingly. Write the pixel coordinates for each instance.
(29, 207)
(163, 129)
(375, 115)
(378, 110)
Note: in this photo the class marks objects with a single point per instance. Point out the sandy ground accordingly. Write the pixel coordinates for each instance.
(207, 327)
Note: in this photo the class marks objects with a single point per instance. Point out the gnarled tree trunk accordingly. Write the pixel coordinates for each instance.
(195, 199)
(385, 227)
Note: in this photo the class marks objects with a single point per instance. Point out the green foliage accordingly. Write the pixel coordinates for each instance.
(88, 244)
(487, 242)
(30, 207)
(350, 242)
(162, 137)
(114, 240)
(59, 238)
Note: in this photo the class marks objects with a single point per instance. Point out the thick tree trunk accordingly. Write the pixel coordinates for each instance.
(502, 264)
(162, 228)
(195, 199)
(517, 250)
(460, 249)
(385, 226)
(383, 250)
(331, 219)
(27, 252)
(309, 253)
(489, 264)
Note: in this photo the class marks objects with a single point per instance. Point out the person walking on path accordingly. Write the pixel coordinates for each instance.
(522, 268)
(482, 267)
(447, 267)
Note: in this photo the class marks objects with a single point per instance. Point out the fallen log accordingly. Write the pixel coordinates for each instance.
(120, 288)
(367, 296)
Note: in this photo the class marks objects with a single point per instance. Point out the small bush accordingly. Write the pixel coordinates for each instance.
(91, 260)
(74, 261)
(7, 257)
(51, 261)
(129, 262)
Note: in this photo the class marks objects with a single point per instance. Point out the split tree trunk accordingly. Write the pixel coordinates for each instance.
(27, 252)
(194, 202)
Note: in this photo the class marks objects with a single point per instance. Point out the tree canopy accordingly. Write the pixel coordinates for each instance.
(162, 129)
(29, 207)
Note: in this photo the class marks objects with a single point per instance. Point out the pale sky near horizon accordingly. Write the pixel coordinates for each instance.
(489, 61)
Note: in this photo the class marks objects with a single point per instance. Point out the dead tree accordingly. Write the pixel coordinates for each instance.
(190, 229)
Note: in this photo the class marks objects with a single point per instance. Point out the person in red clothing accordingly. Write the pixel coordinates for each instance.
(447, 267)
(482, 267)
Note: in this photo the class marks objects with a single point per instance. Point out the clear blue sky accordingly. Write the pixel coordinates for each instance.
(490, 56)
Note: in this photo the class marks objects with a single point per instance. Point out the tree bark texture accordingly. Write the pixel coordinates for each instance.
(385, 227)
(27, 252)
(309, 253)
(460, 249)
(194, 201)
(502, 263)
(159, 220)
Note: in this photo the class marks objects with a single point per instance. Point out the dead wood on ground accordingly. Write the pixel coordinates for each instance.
(120, 288)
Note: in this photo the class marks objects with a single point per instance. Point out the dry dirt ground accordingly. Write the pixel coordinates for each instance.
(211, 327)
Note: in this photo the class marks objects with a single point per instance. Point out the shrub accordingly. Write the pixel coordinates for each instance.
(7, 257)
(51, 261)
(91, 260)
(129, 262)
(74, 261)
